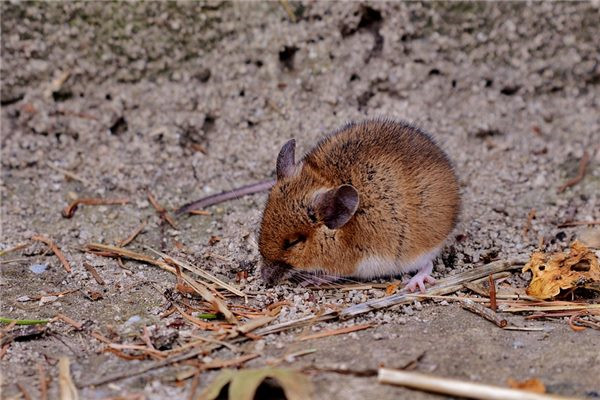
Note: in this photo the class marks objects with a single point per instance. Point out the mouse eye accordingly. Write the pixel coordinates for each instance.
(289, 243)
(312, 215)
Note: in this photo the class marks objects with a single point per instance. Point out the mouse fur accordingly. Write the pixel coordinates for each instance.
(374, 198)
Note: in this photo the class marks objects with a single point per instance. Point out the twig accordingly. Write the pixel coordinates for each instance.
(252, 325)
(339, 331)
(24, 392)
(199, 212)
(194, 386)
(455, 387)
(4, 349)
(70, 321)
(224, 344)
(198, 272)
(530, 217)
(149, 367)
(574, 307)
(200, 288)
(94, 273)
(55, 250)
(69, 210)
(199, 323)
(290, 357)
(162, 212)
(356, 287)
(43, 382)
(572, 318)
(131, 237)
(492, 284)
(410, 364)
(577, 223)
(583, 163)
(362, 373)
(587, 323)
(65, 383)
(69, 174)
(14, 248)
(484, 312)
(444, 286)
(219, 257)
(524, 328)
(13, 260)
(77, 114)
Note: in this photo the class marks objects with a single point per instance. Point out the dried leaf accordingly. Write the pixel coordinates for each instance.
(244, 384)
(531, 385)
(551, 273)
(391, 288)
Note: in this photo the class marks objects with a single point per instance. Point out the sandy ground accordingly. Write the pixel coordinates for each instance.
(188, 99)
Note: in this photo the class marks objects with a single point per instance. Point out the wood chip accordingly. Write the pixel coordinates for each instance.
(94, 273)
(484, 312)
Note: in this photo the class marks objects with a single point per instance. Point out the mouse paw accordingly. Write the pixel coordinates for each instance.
(419, 281)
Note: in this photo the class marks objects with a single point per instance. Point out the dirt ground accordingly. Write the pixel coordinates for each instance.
(188, 99)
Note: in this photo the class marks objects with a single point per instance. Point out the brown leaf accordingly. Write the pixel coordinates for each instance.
(531, 385)
(244, 384)
(551, 273)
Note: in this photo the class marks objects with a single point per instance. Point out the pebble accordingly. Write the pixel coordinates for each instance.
(38, 268)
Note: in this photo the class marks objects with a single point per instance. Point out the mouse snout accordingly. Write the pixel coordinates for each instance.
(273, 272)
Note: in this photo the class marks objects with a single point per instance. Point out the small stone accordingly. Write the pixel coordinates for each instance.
(133, 320)
(260, 345)
(38, 268)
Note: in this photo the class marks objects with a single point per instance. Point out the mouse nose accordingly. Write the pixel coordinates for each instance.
(273, 272)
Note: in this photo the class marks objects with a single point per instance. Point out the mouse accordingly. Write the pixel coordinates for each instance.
(376, 198)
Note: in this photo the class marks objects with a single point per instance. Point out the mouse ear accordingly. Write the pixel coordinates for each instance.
(336, 206)
(285, 160)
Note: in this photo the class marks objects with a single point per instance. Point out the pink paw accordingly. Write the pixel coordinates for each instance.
(419, 281)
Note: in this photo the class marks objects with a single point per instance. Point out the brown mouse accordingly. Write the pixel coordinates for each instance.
(376, 198)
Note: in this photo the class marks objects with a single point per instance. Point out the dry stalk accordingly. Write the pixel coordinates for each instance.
(200, 288)
(455, 387)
